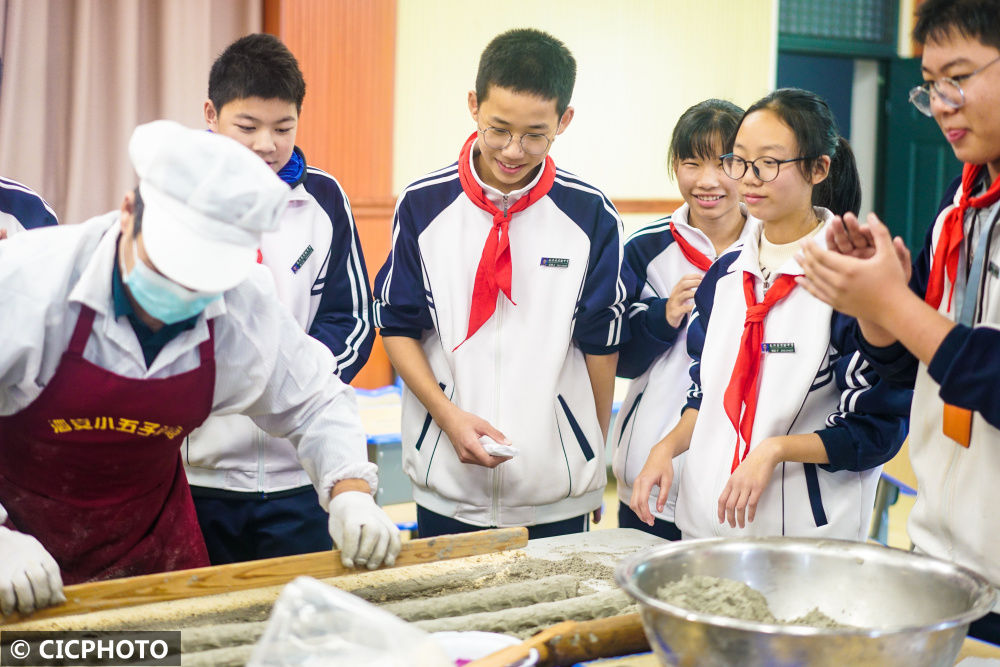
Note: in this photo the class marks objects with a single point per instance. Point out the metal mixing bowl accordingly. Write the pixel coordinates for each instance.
(905, 608)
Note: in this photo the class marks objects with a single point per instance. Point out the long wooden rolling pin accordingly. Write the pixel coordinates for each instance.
(570, 642)
(130, 591)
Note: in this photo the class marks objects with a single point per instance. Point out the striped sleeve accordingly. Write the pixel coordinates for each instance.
(650, 334)
(871, 419)
(401, 299)
(599, 321)
(698, 327)
(21, 208)
(343, 320)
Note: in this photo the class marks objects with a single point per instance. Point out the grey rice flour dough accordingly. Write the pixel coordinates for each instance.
(734, 599)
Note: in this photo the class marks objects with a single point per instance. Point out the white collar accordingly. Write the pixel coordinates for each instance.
(491, 192)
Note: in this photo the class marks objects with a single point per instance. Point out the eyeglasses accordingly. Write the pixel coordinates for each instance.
(947, 89)
(764, 168)
(531, 143)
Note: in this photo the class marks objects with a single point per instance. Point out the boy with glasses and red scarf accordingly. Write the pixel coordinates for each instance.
(501, 308)
(939, 334)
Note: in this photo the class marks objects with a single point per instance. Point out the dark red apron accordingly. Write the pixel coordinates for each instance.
(92, 468)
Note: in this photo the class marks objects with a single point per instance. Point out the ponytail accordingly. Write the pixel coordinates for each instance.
(840, 191)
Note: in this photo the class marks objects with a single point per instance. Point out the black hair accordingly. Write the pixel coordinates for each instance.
(975, 19)
(257, 65)
(528, 61)
(700, 129)
(137, 208)
(811, 121)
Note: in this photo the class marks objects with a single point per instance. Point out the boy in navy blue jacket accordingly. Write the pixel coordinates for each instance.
(254, 500)
(501, 308)
(939, 334)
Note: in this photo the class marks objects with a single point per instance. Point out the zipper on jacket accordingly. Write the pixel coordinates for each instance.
(505, 206)
(260, 461)
(495, 519)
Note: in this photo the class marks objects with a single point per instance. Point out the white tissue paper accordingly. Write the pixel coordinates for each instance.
(494, 448)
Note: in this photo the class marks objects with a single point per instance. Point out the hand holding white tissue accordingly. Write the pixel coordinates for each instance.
(362, 531)
(494, 448)
(29, 575)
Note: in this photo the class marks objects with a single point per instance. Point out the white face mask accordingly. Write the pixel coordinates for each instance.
(161, 297)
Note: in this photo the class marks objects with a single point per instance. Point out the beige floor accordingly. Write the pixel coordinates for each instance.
(407, 512)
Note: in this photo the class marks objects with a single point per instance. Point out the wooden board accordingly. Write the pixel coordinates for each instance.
(181, 584)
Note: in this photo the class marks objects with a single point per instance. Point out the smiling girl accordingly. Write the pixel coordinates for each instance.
(666, 261)
(786, 426)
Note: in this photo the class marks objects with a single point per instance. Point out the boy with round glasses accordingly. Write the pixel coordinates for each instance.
(940, 335)
(501, 308)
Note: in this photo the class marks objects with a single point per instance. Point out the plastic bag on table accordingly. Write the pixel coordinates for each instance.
(313, 624)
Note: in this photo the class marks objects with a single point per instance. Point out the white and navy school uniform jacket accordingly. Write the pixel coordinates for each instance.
(957, 487)
(819, 383)
(524, 369)
(21, 208)
(319, 272)
(655, 357)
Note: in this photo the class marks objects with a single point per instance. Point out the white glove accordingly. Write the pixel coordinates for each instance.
(362, 530)
(29, 575)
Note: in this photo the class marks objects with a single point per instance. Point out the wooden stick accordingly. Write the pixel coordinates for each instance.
(570, 642)
(181, 584)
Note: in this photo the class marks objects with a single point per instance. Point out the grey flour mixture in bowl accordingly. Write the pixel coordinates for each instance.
(735, 599)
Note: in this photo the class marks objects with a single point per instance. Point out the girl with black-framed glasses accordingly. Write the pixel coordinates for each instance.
(785, 427)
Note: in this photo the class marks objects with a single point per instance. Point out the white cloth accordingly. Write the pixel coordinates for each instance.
(266, 366)
(29, 575)
(494, 448)
(363, 531)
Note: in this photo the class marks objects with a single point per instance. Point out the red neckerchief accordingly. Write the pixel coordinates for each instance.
(742, 389)
(494, 272)
(691, 254)
(952, 233)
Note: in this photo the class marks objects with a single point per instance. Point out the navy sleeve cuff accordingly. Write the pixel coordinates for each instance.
(881, 355)
(947, 351)
(839, 449)
(656, 322)
(597, 350)
(692, 404)
(386, 332)
(894, 363)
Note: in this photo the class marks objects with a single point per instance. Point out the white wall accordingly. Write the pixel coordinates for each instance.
(864, 128)
(640, 64)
